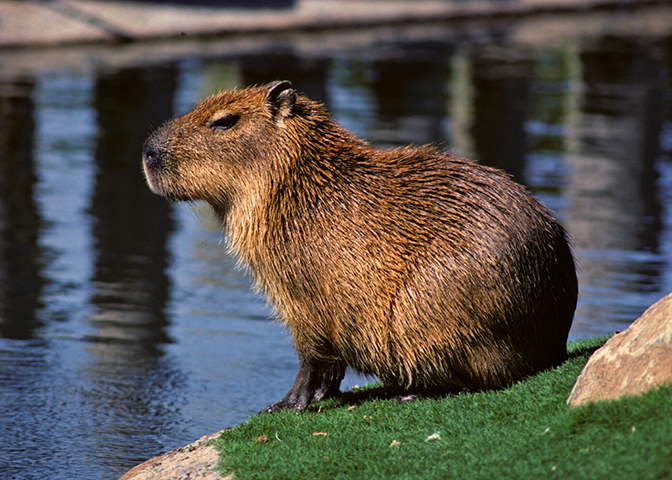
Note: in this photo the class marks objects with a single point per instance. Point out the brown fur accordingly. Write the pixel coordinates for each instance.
(428, 271)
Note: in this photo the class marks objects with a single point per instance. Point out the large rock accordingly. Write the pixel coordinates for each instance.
(197, 461)
(631, 362)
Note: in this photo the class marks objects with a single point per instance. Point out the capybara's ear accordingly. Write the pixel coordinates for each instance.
(280, 99)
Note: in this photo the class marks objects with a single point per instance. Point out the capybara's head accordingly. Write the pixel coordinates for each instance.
(212, 152)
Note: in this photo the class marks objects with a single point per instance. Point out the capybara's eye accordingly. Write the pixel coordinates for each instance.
(224, 123)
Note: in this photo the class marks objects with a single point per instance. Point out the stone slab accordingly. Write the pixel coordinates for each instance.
(631, 362)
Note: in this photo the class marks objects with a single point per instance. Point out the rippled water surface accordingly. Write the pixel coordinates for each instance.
(126, 329)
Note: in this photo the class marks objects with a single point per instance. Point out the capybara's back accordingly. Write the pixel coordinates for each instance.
(433, 273)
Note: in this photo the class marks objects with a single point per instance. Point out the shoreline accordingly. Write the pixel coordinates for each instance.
(22, 58)
(79, 22)
(530, 414)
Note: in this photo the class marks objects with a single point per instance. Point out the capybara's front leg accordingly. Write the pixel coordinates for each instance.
(314, 381)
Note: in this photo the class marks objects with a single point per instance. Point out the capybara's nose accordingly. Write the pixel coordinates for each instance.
(151, 153)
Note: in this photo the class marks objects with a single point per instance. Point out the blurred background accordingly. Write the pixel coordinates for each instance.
(126, 330)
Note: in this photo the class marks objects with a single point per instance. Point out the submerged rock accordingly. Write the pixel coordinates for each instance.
(631, 362)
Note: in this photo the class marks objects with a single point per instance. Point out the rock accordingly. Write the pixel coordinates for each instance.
(630, 362)
(196, 461)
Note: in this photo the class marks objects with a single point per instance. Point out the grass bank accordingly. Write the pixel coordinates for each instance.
(523, 432)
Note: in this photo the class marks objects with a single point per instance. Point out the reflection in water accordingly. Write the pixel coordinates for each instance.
(409, 94)
(23, 363)
(501, 85)
(131, 228)
(20, 280)
(612, 151)
(125, 329)
(308, 76)
(131, 224)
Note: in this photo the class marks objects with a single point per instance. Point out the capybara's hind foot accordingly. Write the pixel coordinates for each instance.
(405, 398)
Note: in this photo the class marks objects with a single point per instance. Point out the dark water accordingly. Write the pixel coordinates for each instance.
(125, 328)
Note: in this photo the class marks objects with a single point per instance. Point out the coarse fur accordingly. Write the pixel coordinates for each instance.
(431, 272)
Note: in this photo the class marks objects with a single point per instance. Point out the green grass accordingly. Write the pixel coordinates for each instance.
(524, 432)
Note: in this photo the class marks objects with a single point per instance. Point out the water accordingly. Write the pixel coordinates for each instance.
(125, 328)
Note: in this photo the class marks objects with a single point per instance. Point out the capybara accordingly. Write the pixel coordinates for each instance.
(433, 273)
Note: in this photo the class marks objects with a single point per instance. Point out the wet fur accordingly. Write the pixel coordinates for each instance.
(431, 272)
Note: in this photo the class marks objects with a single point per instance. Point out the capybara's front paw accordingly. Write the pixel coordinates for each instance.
(284, 404)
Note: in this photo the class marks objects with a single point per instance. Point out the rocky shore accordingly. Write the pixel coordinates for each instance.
(196, 461)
